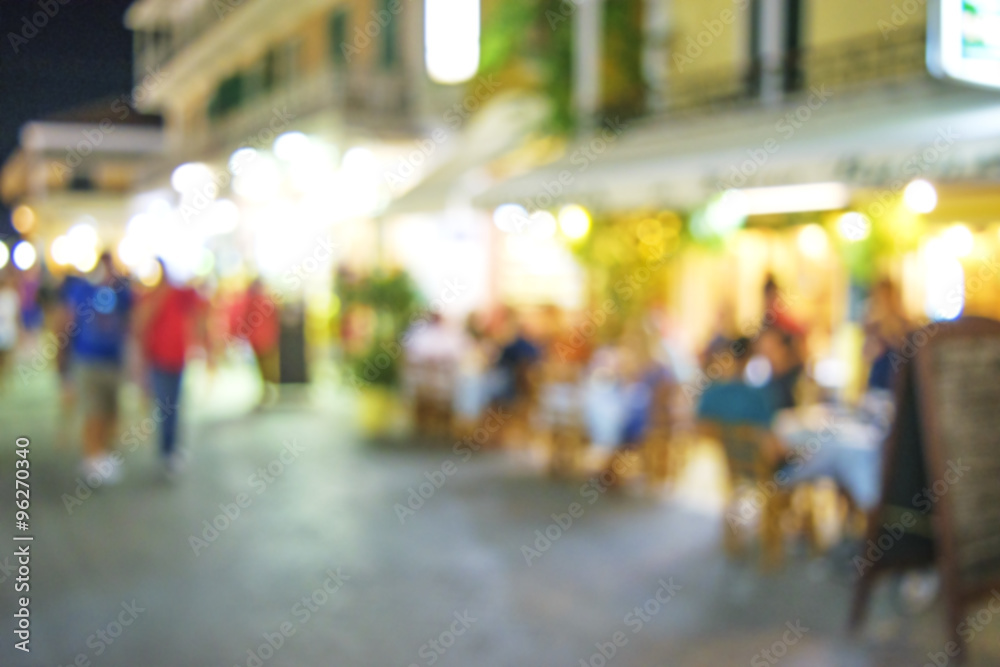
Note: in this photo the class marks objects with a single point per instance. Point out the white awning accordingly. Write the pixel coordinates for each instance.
(460, 157)
(870, 138)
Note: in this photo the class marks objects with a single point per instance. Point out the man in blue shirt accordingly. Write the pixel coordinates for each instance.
(96, 314)
(731, 401)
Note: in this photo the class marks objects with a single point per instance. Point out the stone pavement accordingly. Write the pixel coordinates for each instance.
(313, 558)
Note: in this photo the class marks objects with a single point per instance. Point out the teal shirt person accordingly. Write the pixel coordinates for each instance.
(736, 403)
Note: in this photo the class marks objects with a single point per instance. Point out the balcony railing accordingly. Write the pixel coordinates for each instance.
(856, 63)
(376, 101)
(156, 48)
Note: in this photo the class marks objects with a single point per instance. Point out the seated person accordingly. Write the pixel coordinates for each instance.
(730, 400)
(517, 357)
(786, 366)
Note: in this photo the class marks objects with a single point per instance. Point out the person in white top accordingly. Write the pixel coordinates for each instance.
(10, 321)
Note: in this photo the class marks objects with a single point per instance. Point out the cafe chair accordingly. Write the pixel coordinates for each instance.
(560, 418)
(661, 447)
(432, 386)
(755, 497)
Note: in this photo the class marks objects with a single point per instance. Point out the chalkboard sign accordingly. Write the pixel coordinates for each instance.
(943, 459)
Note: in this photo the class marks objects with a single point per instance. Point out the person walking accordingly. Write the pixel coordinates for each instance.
(10, 325)
(96, 314)
(168, 320)
(256, 320)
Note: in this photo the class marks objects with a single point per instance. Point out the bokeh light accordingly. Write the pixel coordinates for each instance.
(854, 227)
(452, 29)
(813, 242)
(958, 240)
(23, 218)
(920, 196)
(24, 255)
(574, 222)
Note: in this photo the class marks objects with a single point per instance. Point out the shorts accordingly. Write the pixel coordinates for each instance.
(97, 386)
(269, 364)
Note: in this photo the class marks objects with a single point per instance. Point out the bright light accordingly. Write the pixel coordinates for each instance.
(945, 290)
(62, 253)
(797, 198)
(150, 274)
(129, 252)
(85, 258)
(920, 197)
(23, 219)
(831, 373)
(240, 158)
(191, 176)
(4, 254)
(24, 255)
(83, 233)
(258, 180)
(223, 217)
(958, 240)
(355, 187)
(360, 159)
(944, 280)
(813, 242)
(854, 227)
(510, 218)
(291, 146)
(451, 38)
(543, 224)
(758, 371)
(159, 206)
(574, 222)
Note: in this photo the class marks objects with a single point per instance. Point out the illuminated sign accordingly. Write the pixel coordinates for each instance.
(963, 41)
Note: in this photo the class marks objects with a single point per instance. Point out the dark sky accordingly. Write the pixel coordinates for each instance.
(83, 53)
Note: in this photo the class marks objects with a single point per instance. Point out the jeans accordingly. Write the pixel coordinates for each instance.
(167, 391)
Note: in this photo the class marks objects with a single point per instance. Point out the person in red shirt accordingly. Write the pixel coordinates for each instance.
(168, 319)
(256, 320)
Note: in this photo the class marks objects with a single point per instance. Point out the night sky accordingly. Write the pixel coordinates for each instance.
(83, 53)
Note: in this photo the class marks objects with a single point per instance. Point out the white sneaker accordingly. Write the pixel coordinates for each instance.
(111, 470)
(101, 470)
(173, 465)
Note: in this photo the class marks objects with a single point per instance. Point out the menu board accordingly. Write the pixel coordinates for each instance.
(966, 395)
(942, 463)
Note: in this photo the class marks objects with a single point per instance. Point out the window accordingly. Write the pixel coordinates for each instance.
(755, 72)
(227, 97)
(776, 46)
(390, 37)
(792, 75)
(338, 36)
(269, 71)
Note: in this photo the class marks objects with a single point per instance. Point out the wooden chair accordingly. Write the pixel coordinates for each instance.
(661, 456)
(751, 453)
(518, 431)
(561, 419)
(432, 383)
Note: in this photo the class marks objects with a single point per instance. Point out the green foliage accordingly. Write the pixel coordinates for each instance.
(623, 81)
(627, 257)
(506, 33)
(538, 35)
(392, 303)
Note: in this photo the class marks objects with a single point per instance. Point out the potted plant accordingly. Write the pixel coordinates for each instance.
(377, 310)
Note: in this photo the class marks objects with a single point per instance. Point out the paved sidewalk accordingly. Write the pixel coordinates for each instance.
(285, 531)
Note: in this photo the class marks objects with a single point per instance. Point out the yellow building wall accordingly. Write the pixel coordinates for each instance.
(315, 36)
(831, 22)
(707, 35)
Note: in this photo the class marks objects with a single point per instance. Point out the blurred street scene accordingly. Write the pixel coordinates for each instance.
(482, 332)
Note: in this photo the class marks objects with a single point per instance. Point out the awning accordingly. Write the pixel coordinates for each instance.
(462, 157)
(872, 138)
